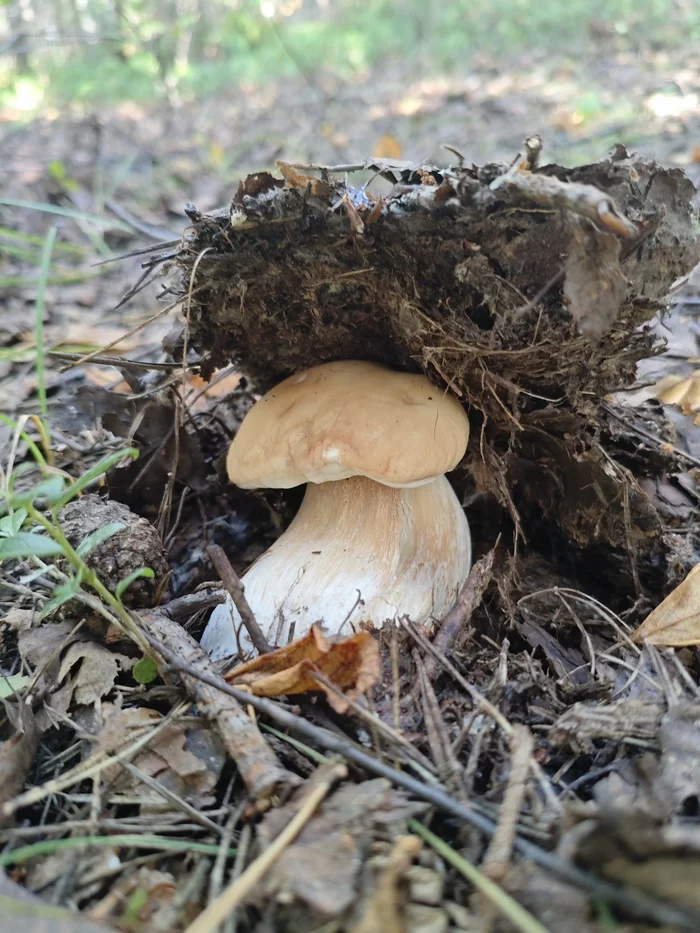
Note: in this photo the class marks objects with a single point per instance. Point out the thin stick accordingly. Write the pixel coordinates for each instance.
(455, 621)
(134, 330)
(208, 921)
(261, 772)
(486, 706)
(230, 579)
(500, 850)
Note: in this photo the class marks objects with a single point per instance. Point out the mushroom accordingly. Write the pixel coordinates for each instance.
(380, 533)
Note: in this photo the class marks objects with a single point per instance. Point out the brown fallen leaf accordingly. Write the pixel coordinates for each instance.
(185, 758)
(82, 670)
(322, 868)
(683, 391)
(17, 753)
(317, 187)
(353, 664)
(675, 622)
(159, 887)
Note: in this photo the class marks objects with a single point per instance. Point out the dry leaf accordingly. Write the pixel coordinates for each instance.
(388, 147)
(676, 621)
(159, 886)
(88, 671)
(17, 753)
(683, 391)
(322, 866)
(82, 670)
(353, 665)
(19, 620)
(185, 758)
(295, 179)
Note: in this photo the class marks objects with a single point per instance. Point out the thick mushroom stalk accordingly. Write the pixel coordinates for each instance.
(357, 551)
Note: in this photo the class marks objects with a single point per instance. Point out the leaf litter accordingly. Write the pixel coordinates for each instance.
(585, 553)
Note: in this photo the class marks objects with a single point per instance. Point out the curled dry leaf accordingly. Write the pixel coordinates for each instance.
(676, 621)
(317, 187)
(353, 664)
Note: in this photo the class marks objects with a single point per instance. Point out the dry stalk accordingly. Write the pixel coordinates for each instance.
(259, 768)
(208, 921)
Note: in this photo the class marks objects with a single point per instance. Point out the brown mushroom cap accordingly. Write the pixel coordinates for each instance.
(349, 418)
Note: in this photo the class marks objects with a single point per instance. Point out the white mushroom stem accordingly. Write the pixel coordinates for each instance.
(356, 551)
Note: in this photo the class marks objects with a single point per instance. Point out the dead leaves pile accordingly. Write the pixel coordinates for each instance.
(353, 665)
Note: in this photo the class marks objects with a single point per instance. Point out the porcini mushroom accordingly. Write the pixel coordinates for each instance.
(380, 533)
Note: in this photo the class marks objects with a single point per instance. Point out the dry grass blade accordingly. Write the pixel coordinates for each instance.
(231, 897)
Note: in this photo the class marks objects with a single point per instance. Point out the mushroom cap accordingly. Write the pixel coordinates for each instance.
(349, 418)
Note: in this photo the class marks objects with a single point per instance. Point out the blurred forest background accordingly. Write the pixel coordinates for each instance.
(482, 72)
(116, 113)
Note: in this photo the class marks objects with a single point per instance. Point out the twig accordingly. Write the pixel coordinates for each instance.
(659, 442)
(208, 921)
(186, 606)
(172, 797)
(242, 851)
(632, 900)
(448, 767)
(459, 616)
(113, 343)
(259, 768)
(154, 233)
(548, 191)
(229, 578)
(216, 879)
(95, 764)
(499, 852)
(116, 361)
(485, 705)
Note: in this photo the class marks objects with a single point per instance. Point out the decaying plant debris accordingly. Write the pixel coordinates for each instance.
(527, 291)
(533, 737)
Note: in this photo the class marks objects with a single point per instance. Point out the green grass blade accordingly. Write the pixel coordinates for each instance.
(66, 212)
(521, 919)
(44, 267)
(49, 846)
(36, 453)
(99, 537)
(141, 573)
(94, 473)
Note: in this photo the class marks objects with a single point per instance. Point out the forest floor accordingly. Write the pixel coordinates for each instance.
(547, 731)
